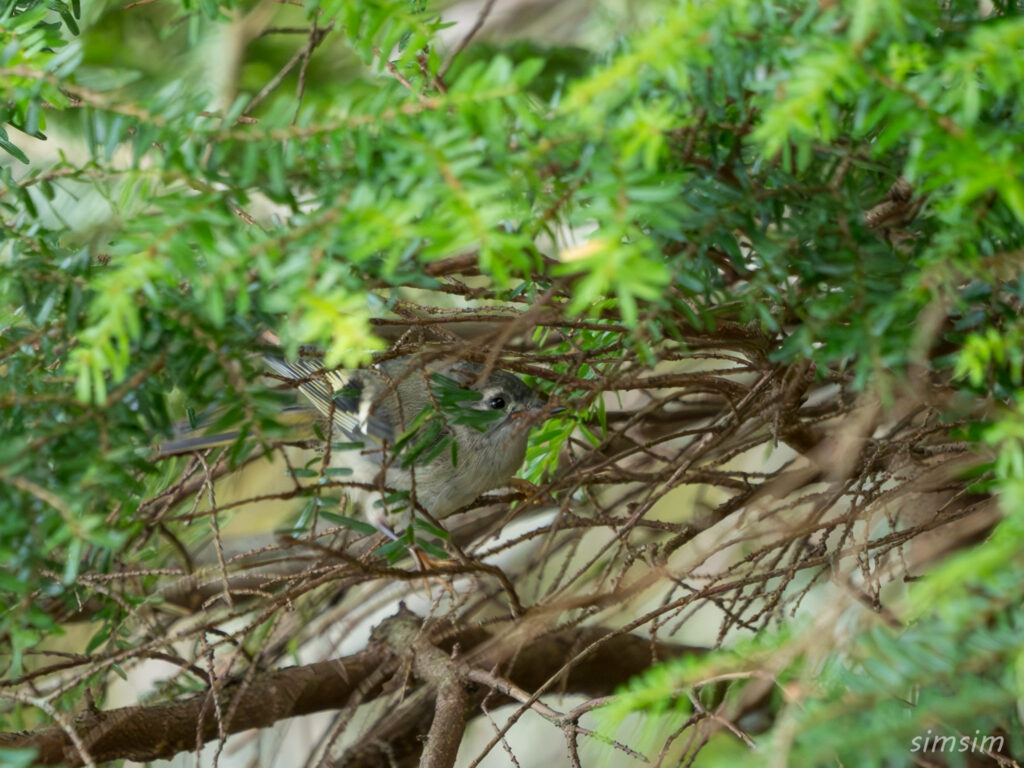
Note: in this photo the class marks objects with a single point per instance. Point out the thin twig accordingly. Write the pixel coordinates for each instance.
(477, 24)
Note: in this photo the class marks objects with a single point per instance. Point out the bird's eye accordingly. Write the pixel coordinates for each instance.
(497, 402)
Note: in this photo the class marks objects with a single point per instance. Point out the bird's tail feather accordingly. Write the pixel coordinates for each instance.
(195, 443)
(313, 385)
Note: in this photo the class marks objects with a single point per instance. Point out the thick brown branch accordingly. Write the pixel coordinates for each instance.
(163, 730)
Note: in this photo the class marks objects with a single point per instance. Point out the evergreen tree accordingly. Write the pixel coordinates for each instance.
(767, 253)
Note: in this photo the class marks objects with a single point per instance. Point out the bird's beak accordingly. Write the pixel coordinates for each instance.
(545, 408)
(542, 409)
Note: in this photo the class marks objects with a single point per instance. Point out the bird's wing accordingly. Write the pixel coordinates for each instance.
(346, 398)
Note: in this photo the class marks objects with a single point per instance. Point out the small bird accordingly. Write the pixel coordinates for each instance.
(436, 431)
